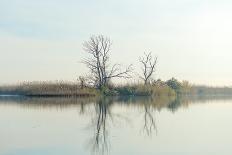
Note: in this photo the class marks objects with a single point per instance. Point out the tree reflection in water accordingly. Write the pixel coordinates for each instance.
(100, 141)
(149, 120)
(102, 117)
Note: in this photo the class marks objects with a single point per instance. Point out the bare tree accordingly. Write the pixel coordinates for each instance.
(82, 80)
(148, 67)
(98, 48)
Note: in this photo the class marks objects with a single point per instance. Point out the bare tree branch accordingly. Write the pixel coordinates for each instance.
(148, 67)
(98, 48)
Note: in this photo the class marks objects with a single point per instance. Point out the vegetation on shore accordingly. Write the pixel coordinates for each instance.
(51, 89)
(171, 87)
(48, 89)
(101, 74)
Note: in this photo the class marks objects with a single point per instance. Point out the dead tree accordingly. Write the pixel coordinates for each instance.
(82, 82)
(148, 67)
(98, 48)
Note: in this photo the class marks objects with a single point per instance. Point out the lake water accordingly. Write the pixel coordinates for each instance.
(116, 126)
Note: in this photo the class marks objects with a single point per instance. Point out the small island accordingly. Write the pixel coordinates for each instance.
(99, 81)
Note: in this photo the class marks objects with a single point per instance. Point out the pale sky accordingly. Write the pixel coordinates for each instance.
(42, 39)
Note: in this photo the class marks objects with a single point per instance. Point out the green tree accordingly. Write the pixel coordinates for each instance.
(174, 84)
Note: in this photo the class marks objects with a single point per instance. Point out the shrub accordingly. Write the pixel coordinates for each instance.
(174, 84)
(164, 90)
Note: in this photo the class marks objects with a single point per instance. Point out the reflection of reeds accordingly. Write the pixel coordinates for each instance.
(101, 110)
(47, 102)
(157, 103)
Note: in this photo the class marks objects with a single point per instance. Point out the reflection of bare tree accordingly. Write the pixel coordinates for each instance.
(82, 108)
(103, 118)
(149, 120)
(100, 142)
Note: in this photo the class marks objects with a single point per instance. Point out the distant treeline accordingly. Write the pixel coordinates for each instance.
(204, 90)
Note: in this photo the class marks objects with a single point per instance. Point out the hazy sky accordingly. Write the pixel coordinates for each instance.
(42, 39)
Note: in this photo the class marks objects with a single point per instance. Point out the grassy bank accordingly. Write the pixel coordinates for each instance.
(170, 87)
(56, 89)
(48, 89)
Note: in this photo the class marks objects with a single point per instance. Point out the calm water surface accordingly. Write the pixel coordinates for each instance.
(115, 126)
